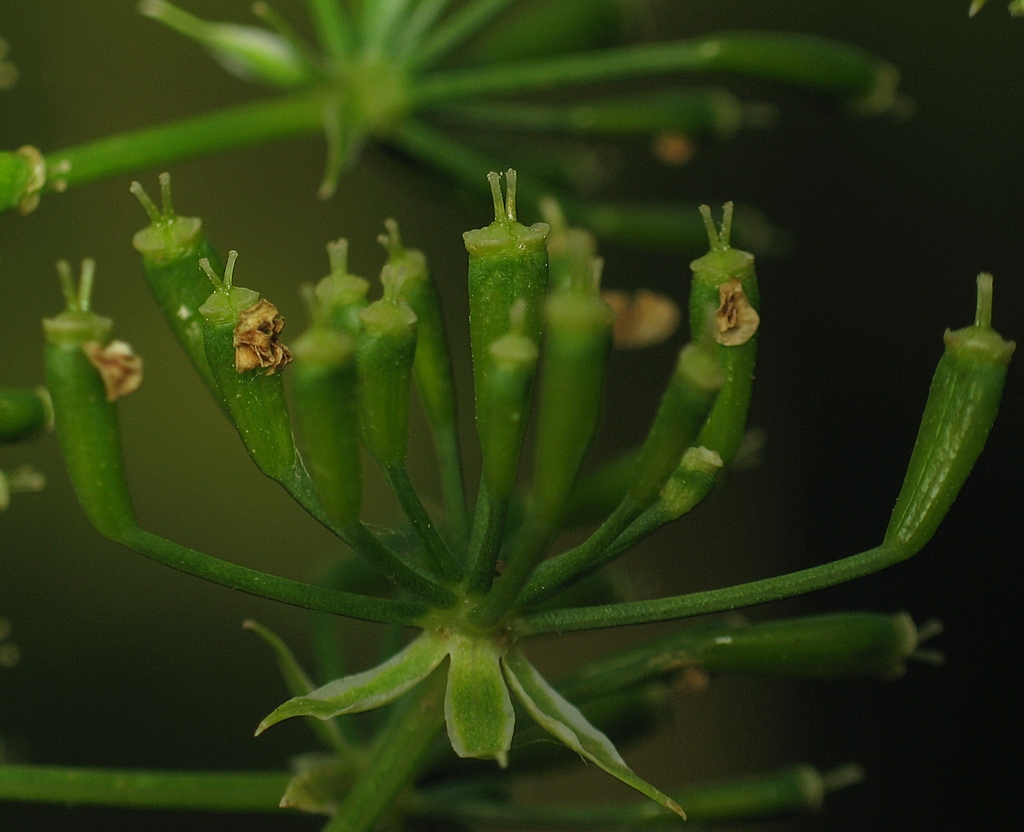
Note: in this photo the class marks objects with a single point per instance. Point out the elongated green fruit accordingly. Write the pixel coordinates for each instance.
(432, 369)
(576, 350)
(240, 338)
(690, 395)
(23, 413)
(172, 248)
(841, 645)
(385, 353)
(507, 261)
(513, 364)
(577, 341)
(324, 388)
(724, 299)
(85, 415)
(961, 407)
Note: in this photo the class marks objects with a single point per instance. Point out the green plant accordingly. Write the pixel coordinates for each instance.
(443, 570)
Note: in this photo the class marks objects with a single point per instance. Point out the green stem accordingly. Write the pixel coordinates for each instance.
(765, 796)
(459, 28)
(398, 478)
(715, 600)
(224, 791)
(249, 124)
(333, 27)
(459, 161)
(486, 545)
(269, 586)
(815, 64)
(600, 548)
(449, 461)
(400, 573)
(396, 757)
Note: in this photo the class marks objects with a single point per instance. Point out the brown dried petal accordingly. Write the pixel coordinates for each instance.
(256, 339)
(119, 367)
(736, 320)
(643, 319)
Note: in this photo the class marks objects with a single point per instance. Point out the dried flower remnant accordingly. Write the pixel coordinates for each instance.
(736, 320)
(118, 366)
(642, 319)
(256, 339)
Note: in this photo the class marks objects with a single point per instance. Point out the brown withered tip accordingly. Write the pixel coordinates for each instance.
(118, 366)
(256, 339)
(735, 320)
(642, 319)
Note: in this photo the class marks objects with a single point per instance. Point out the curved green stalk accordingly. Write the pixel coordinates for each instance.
(812, 63)
(300, 114)
(270, 586)
(459, 28)
(714, 600)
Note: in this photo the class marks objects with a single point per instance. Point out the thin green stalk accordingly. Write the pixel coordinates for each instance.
(459, 161)
(715, 600)
(400, 573)
(395, 760)
(816, 64)
(437, 550)
(216, 791)
(697, 112)
(270, 586)
(421, 21)
(262, 121)
(553, 573)
(783, 792)
(485, 545)
(459, 28)
(453, 491)
(381, 24)
(333, 27)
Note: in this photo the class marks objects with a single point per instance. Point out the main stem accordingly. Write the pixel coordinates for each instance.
(397, 754)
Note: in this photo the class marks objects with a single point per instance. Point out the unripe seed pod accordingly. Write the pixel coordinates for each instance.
(961, 407)
(432, 369)
(689, 397)
(327, 408)
(433, 365)
(514, 362)
(384, 354)
(507, 261)
(342, 296)
(85, 417)
(24, 414)
(724, 298)
(577, 341)
(172, 248)
(240, 337)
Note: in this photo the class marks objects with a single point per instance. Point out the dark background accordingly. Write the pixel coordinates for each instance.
(125, 663)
